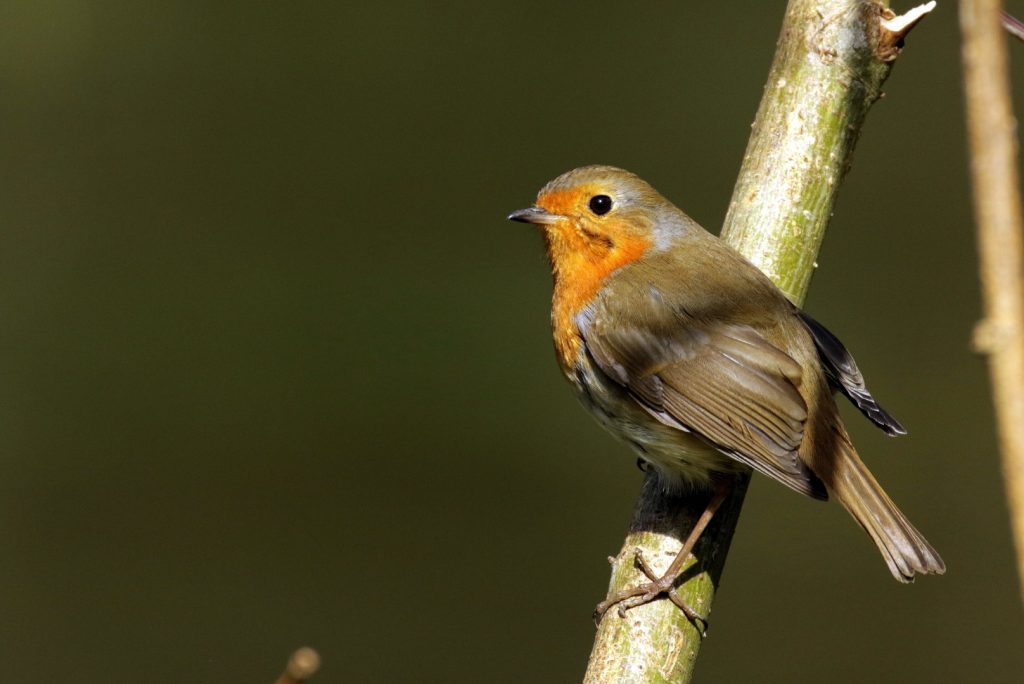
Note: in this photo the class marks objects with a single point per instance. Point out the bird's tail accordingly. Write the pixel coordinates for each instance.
(904, 549)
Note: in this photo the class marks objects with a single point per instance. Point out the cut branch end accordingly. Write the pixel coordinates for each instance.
(894, 29)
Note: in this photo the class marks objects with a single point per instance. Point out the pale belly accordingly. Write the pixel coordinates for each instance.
(681, 459)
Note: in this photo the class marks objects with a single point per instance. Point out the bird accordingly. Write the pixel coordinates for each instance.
(686, 351)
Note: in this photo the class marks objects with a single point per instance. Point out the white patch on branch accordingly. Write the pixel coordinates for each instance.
(901, 25)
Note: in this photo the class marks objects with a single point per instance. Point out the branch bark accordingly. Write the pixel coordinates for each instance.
(830, 62)
(997, 207)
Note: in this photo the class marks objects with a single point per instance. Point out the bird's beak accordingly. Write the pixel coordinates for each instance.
(534, 215)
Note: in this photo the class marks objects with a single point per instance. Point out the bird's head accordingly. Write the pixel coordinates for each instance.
(597, 219)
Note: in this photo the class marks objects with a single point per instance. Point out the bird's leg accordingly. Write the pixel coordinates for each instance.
(666, 583)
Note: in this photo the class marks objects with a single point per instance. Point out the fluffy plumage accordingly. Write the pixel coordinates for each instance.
(684, 349)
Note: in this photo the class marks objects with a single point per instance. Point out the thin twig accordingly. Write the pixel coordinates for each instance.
(1013, 25)
(301, 666)
(997, 208)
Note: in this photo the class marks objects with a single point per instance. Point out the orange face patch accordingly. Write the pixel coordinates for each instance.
(569, 202)
(583, 253)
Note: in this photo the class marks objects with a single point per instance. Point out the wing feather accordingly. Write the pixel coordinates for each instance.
(722, 381)
(844, 375)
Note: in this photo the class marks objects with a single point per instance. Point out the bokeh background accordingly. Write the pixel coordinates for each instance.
(275, 371)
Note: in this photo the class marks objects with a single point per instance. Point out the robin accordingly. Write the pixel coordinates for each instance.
(686, 351)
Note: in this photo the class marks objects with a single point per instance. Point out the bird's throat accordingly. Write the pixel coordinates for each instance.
(579, 273)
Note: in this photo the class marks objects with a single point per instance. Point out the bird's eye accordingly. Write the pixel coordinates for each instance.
(600, 204)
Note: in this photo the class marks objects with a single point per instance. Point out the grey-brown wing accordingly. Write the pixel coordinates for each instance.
(723, 382)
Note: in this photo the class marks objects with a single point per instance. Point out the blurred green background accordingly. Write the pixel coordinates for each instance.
(275, 371)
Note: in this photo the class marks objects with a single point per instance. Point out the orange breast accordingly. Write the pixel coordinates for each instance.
(580, 271)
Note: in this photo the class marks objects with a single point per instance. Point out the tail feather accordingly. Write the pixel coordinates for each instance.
(904, 549)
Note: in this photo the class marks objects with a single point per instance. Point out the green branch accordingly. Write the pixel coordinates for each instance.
(830, 63)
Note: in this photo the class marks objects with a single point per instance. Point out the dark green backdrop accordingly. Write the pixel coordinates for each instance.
(275, 371)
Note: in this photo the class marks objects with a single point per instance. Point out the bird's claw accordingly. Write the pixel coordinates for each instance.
(641, 564)
(648, 592)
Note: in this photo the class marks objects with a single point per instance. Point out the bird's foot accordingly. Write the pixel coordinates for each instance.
(649, 591)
